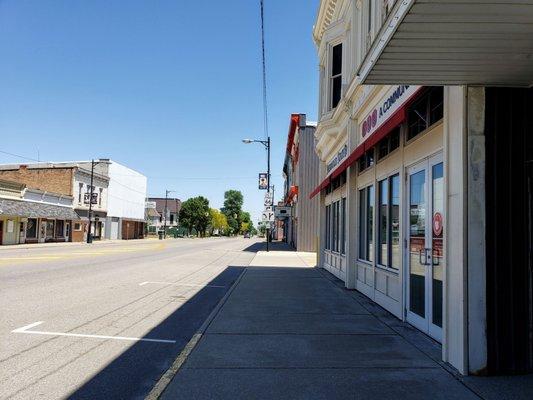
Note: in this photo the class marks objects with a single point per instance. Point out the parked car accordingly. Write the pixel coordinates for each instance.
(247, 235)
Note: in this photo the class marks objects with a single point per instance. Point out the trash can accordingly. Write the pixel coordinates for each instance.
(160, 233)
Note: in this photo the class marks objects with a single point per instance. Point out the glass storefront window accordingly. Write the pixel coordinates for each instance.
(366, 224)
(383, 210)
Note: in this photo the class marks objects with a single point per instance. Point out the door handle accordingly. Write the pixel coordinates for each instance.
(428, 256)
(422, 260)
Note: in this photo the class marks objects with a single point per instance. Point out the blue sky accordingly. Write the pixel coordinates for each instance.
(168, 88)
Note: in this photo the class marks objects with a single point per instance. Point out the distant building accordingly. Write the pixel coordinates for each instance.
(300, 171)
(34, 216)
(172, 207)
(118, 194)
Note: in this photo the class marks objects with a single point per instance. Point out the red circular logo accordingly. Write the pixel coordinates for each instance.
(437, 224)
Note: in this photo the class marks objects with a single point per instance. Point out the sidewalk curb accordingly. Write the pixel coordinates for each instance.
(167, 377)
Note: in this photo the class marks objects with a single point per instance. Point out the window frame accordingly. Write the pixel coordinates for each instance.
(425, 97)
(332, 77)
(388, 179)
(366, 225)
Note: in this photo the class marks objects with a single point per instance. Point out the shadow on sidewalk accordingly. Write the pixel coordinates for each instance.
(273, 246)
(134, 373)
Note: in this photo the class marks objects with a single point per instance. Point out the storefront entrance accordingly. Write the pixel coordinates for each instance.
(424, 235)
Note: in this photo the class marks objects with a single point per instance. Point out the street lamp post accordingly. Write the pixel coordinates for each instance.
(265, 143)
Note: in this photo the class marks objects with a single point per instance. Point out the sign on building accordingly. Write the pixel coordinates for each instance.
(263, 181)
(94, 199)
(282, 212)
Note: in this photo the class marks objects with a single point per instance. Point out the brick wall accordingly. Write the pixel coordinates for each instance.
(57, 180)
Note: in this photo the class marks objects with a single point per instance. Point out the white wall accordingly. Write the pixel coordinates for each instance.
(126, 194)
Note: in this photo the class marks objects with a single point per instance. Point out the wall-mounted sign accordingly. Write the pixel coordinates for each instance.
(336, 160)
(263, 181)
(393, 100)
(282, 212)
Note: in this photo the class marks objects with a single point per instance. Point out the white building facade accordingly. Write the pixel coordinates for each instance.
(125, 203)
(407, 215)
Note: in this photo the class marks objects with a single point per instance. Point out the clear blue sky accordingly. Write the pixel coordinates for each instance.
(168, 88)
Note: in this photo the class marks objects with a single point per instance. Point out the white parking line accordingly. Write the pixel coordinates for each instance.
(25, 329)
(178, 284)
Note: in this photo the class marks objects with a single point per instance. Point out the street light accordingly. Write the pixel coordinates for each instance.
(265, 143)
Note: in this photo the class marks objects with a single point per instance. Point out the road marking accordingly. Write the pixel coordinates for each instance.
(178, 284)
(26, 329)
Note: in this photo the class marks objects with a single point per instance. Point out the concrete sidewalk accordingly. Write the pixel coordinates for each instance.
(288, 331)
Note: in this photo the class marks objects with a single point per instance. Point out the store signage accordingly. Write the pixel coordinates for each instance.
(283, 212)
(263, 181)
(437, 224)
(392, 102)
(337, 159)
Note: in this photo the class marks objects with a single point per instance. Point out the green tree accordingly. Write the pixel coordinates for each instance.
(195, 214)
(232, 209)
(218, 221)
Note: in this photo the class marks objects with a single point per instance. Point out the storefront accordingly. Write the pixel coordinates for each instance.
(393, 183)
(28, 222)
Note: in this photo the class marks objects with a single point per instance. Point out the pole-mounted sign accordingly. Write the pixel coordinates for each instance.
(263, 181)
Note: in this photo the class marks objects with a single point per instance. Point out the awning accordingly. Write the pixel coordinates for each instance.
(397, 118)
(453, 42)
(29, 209)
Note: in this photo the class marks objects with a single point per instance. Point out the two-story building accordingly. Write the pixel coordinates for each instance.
(426, 152)
(71, 179)
(168, 210)
(300, 171)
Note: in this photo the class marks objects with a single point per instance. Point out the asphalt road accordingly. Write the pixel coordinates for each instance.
(105, 321)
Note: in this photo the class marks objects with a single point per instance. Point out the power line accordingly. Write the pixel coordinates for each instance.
(18, 156)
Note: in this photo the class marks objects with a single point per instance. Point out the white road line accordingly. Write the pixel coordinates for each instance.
(25, 329)
(178, 284)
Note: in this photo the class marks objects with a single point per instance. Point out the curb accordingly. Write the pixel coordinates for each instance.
(167, 377)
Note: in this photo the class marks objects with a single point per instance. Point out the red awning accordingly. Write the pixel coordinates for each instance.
(394, 120)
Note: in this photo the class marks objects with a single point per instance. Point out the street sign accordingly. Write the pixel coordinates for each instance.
(263, 181)
(94, 198)
(268, 216)
(268, 199)
(283, 211)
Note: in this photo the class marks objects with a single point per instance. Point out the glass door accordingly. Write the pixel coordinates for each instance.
(425, 233)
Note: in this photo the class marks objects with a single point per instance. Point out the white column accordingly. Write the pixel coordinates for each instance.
(351, 231)
(455, 290)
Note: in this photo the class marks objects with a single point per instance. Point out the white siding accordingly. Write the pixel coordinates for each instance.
(126, 192)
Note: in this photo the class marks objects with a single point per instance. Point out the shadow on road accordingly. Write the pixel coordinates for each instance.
(134, 373)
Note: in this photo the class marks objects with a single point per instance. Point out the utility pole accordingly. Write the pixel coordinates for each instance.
(265, 143)
(268, 174)
(166, 213)
(89, 233)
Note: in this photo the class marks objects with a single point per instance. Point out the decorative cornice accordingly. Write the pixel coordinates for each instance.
(324, 18)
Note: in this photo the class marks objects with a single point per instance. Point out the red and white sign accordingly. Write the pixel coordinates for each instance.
(437, 224)
(393, 101)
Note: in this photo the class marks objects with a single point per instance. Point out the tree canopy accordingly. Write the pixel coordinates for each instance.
(219, 221)
(195, 213)
(233, 201)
